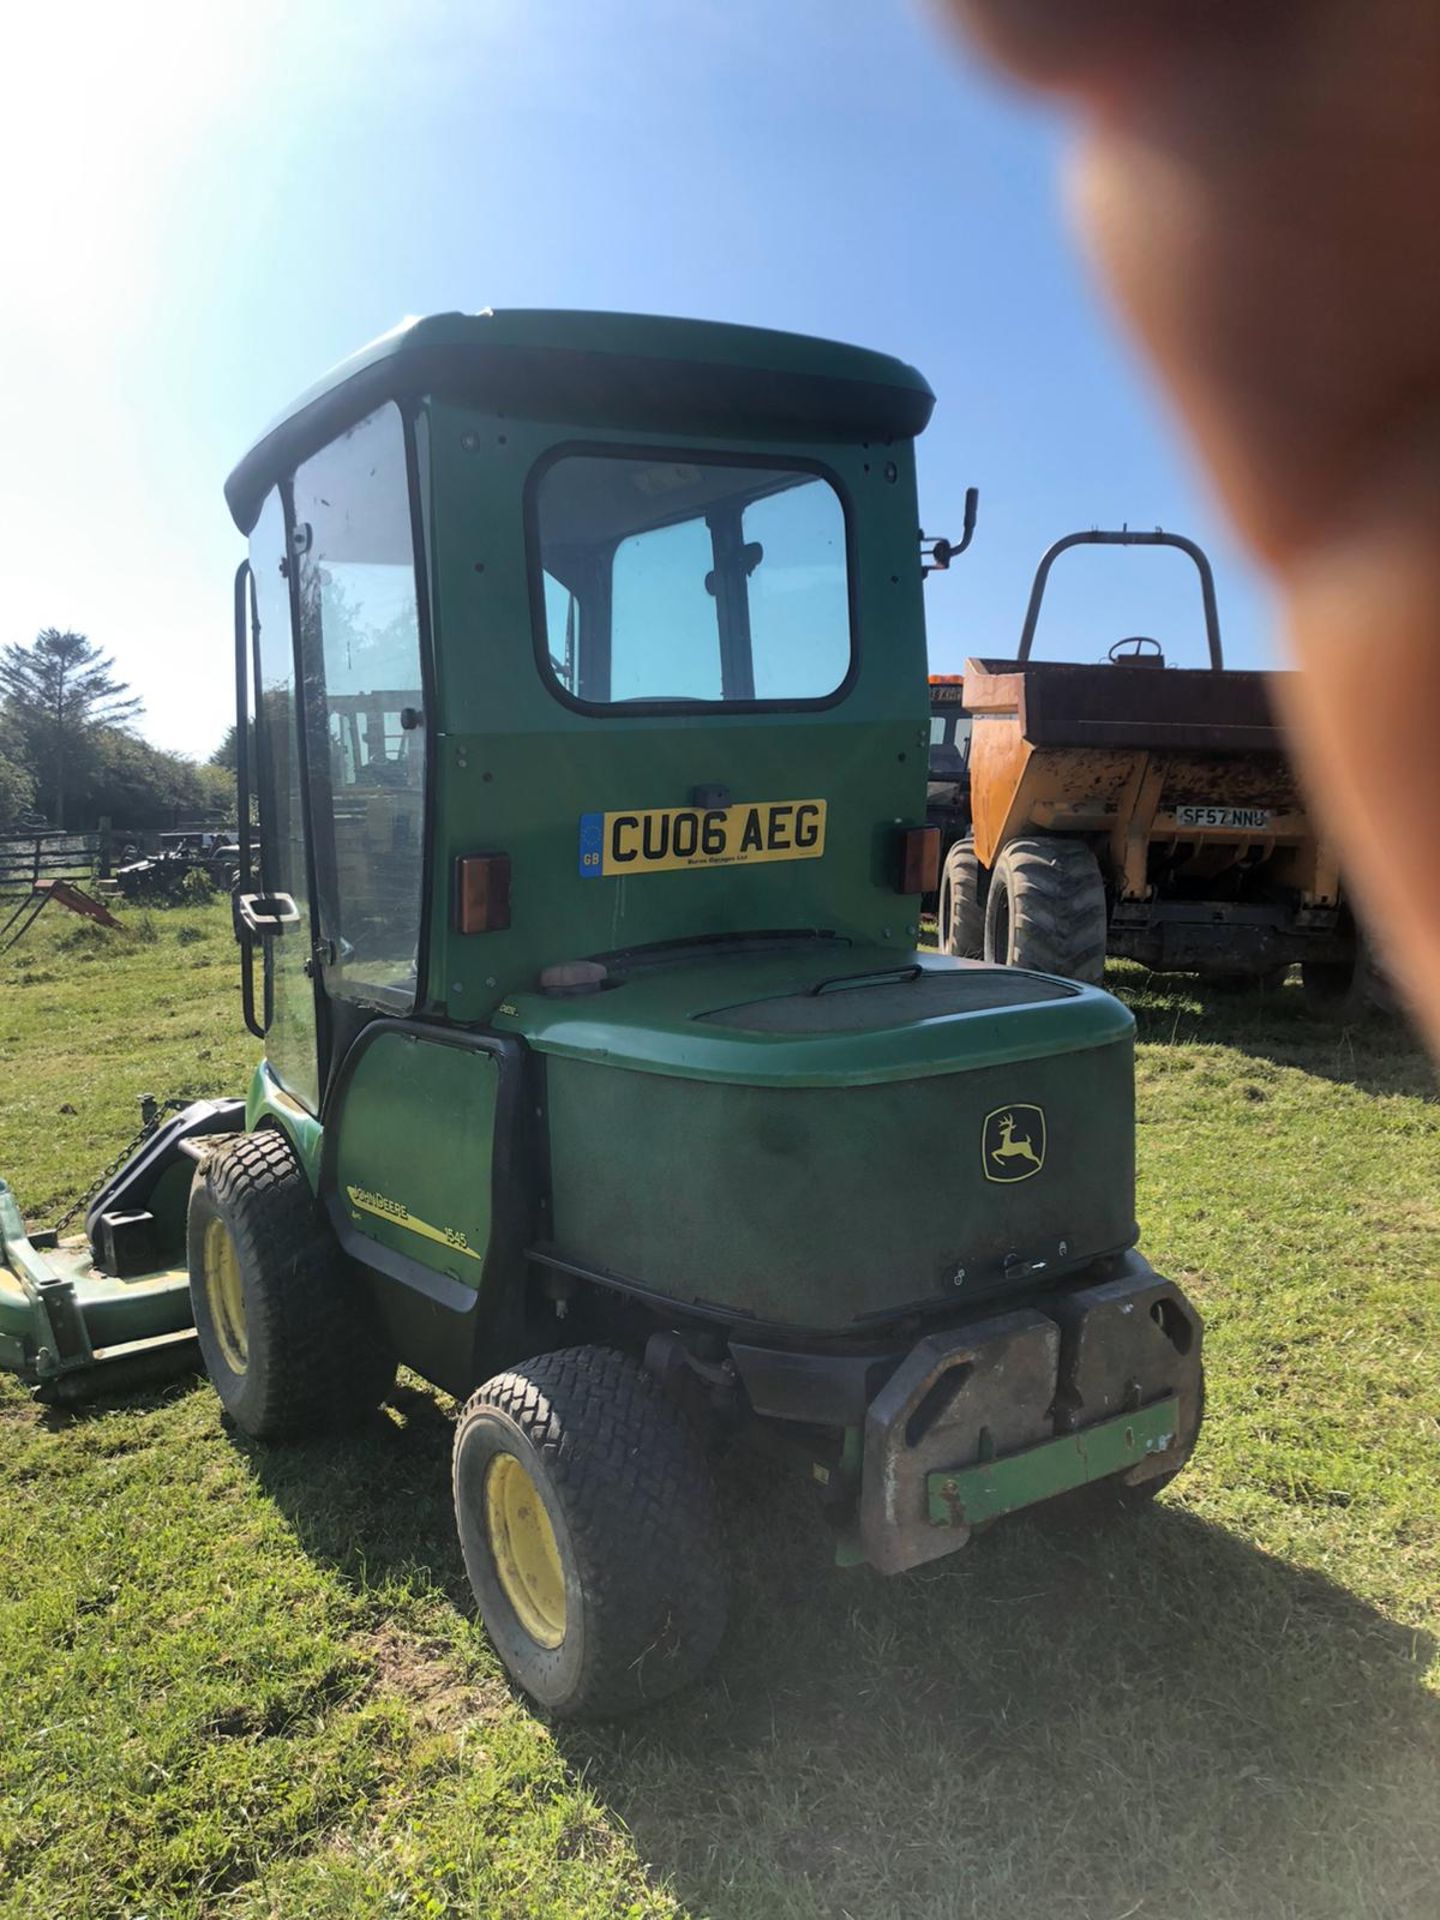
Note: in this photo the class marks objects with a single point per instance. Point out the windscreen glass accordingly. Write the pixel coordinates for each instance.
(691, 582)
(949, 744)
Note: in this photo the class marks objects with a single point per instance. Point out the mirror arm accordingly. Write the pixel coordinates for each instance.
(941, 551)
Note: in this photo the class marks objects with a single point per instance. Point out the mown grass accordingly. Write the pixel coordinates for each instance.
(245, 1682)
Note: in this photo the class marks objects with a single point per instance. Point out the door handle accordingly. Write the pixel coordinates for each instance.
(266, 914)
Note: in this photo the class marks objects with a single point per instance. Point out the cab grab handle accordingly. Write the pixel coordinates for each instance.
(266, 914)
(885, 975)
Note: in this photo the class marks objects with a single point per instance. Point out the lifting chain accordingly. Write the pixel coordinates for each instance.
(152, 1112)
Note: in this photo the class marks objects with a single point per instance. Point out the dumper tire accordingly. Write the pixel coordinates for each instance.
(960, 910)
(637, 1585)
(1045, 909)
(313, 1356)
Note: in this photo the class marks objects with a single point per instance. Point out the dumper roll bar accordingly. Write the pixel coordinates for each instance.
(1095, 538)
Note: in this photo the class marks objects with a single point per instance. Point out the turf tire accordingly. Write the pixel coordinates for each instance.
(1045, 909)
(628, 1495)
(317, 1358)
(960, 912)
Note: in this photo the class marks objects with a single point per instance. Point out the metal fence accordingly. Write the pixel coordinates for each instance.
(26, 858)
(47, 854)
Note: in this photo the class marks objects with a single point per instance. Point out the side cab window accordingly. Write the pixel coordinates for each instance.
(364, 701)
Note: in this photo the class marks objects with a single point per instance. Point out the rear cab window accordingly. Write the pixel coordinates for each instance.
(671, 583)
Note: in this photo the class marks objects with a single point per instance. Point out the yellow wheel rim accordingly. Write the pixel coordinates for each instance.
(522, 1541)
(225, 1295)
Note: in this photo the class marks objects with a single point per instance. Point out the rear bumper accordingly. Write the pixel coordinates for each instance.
(969, 1496)
(1097, 1382)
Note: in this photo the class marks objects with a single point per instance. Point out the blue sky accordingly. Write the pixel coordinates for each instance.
(208, 206)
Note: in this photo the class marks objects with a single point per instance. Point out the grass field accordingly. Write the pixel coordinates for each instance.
(247, 1683)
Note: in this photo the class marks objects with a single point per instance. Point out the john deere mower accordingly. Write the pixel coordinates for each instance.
(603, 1083)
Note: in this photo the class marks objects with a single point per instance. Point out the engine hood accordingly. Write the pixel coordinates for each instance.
(819, 1013)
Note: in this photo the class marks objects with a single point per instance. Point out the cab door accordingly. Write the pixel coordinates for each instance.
(364, 706)
(340, 750)
(290, 1026)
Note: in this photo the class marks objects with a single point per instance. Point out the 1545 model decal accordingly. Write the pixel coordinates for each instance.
(399, 1215)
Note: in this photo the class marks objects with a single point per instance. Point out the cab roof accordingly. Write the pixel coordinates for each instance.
(637, 370)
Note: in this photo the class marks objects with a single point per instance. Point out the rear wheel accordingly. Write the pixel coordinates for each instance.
(961, 912)
(287, 1330)
(585, 1515)
(1046, 909)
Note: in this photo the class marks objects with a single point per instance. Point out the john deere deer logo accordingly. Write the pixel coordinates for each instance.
(1012, 1143)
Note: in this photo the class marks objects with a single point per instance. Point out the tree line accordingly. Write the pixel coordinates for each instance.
(69, 753)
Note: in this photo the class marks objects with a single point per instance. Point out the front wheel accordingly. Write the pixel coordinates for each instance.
(287, 1329)
(585, 1516)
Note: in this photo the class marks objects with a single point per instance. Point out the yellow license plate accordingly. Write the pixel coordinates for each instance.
(663, 839)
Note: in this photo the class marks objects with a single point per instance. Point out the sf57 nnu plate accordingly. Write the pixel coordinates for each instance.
(1247, 819)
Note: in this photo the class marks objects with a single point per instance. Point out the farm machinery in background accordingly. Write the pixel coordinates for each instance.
(159, 876)
(162, 874)
(25, 911)
(1132, 810)
(43, 867)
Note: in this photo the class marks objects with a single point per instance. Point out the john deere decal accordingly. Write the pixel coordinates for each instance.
(1012, 1143)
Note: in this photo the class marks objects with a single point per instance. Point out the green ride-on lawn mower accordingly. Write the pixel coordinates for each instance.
(603, 1083)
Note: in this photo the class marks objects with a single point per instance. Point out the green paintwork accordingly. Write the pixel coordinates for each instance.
(652, 1022)
(808, 1178)
(818, 1180)
(817, 1207)
(474, 347)
(969, 1495)
(515, 768)
(418, 1140)
(268, 1104)
(641, 335)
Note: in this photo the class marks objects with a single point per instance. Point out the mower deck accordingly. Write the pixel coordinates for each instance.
(63, 1322)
